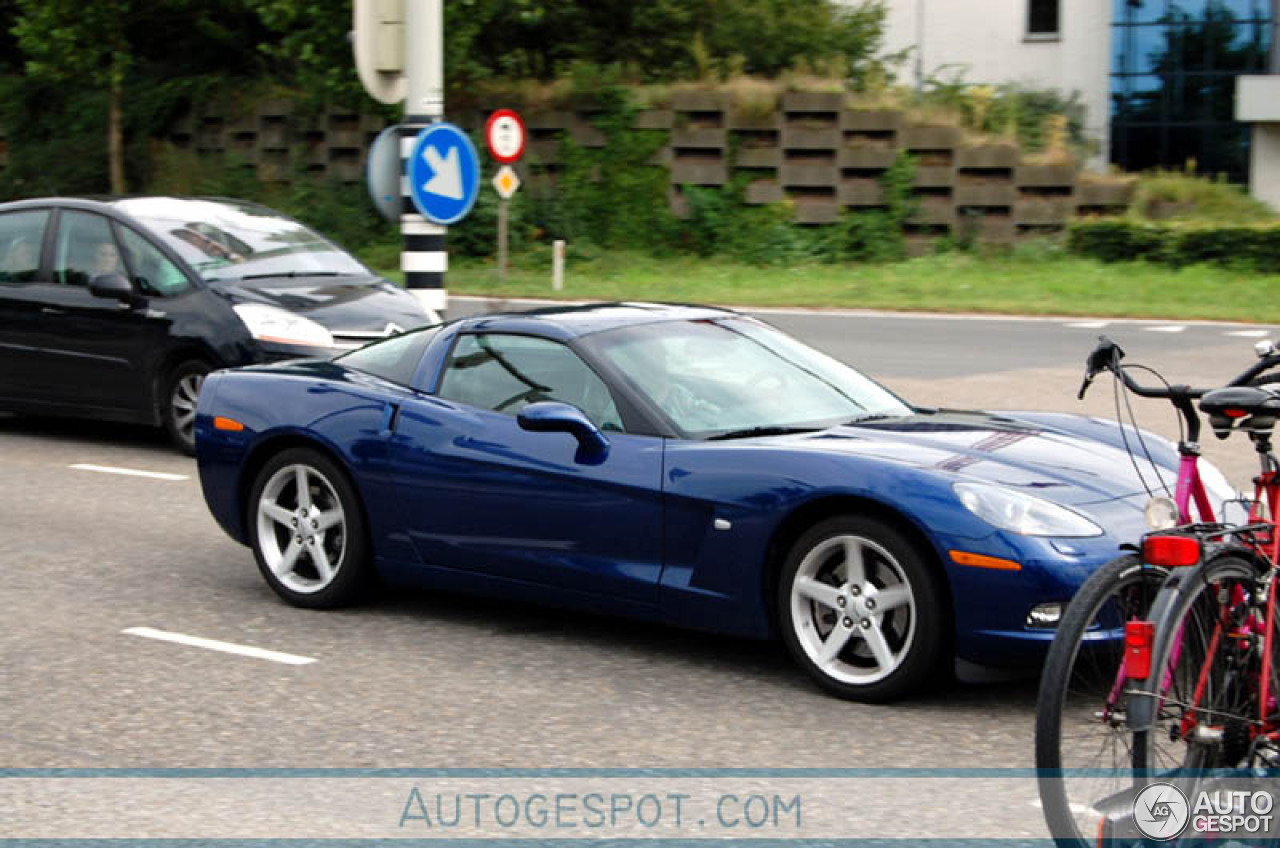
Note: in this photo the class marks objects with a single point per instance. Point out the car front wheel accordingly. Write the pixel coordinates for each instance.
(860, 610)
(307, 531)
(178, 403)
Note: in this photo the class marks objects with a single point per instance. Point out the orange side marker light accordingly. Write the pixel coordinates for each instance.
(981, 561)
(228, 424)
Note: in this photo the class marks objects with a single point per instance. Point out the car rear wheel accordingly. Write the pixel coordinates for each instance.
(860, 610)
(178, 409)
(307, 531)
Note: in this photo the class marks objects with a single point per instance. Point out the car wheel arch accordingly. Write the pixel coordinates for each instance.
(810, 514)
(273, 446)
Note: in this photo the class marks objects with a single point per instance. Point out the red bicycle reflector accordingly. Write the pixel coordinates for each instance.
(1138, 636)
(1171, 551)
(1234, 413)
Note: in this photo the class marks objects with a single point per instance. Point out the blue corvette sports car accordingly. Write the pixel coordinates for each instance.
(687, 465)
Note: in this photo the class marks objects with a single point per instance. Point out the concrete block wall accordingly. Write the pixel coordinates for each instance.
(813, 152)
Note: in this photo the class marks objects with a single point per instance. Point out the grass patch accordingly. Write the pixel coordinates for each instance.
(1174, 196)
(1033, 281)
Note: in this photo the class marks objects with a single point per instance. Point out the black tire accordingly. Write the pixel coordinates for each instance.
(883, 655)
(1185, 621)
(346, 553)
(178, 395)
(1075, 687)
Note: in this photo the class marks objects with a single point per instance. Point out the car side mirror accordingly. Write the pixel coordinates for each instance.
(113, 286)
(556, 417)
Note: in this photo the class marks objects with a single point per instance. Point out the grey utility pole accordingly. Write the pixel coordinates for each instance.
(424, 260)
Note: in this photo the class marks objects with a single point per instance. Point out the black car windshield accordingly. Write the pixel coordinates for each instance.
(739, 376)
(229, 240)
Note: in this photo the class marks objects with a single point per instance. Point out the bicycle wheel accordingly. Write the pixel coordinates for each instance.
(1080, 719)
(1197, 712)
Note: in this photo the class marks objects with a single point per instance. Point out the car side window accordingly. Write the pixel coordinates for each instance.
(504, 373)
(21, 236)
(153, 273)
(85, 248)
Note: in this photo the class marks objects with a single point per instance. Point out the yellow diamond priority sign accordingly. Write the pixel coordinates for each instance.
(506, 182)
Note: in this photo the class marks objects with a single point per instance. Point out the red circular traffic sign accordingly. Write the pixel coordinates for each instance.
(505, 136)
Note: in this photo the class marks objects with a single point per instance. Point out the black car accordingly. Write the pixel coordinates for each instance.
(117, 309)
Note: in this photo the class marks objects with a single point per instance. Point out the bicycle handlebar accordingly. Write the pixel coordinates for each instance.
(1107, 355)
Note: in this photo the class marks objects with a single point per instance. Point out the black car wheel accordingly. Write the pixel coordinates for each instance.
(860, 610)
(178, 403)
(307, 530)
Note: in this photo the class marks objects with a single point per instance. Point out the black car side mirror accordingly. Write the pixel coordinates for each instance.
(555, 417)
(113, 286)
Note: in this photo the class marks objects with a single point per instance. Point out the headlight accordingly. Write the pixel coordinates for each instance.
(1024, 514)
(272, 324)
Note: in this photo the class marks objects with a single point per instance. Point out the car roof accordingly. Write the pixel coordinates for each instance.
(122, 203)
(567, 322)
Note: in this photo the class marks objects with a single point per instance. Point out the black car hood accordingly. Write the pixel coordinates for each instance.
(346, 303)
(1070, 459)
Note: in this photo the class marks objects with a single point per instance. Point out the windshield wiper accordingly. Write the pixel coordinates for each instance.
(750, 432)
(292, 274)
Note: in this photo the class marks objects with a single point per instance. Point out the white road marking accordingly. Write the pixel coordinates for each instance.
(1078, 809)
(1168, 328)
(1088, 325)
(129, 472)
(215, 645)
(1250, 334)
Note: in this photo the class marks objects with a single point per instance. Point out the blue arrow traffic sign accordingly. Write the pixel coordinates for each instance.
(444, 174)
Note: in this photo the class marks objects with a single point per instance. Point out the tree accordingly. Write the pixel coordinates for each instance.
(72, 41)
(544, 39)
(164, 52)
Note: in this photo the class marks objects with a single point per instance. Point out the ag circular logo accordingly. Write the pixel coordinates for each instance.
(1161, 811)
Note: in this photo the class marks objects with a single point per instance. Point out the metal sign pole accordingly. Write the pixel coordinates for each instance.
(424, 260)
(502, 240)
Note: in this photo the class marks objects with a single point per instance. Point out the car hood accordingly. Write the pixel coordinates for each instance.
(344, 305)
(1068, 459)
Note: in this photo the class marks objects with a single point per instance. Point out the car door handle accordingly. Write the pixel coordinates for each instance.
(52, 310)
(390, 418)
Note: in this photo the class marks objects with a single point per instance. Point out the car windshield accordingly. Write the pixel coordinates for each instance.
(227, 240)
(739, 376)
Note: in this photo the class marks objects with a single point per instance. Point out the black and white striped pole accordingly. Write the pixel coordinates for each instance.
(424, 260)
(399, 54)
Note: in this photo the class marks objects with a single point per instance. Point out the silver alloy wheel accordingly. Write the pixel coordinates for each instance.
(853, 610)
(183, 404)
(302, 530)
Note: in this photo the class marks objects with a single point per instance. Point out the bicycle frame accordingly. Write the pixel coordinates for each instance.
(1266, 493)
(1190, 487)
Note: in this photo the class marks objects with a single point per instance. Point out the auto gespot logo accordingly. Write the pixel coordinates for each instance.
(1161, 812)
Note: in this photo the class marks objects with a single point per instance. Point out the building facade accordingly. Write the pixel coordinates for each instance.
(1158, 78)
(1041, 43)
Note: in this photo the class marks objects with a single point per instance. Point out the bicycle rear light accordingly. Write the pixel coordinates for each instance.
(1138, 636)
(1171, 551)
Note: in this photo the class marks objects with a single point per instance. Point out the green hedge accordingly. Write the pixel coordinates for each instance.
(1252, 248)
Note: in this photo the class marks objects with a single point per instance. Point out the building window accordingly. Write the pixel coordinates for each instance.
(1042, 19)
(1173, 76)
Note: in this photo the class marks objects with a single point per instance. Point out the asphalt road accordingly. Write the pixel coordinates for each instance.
(418, 680)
